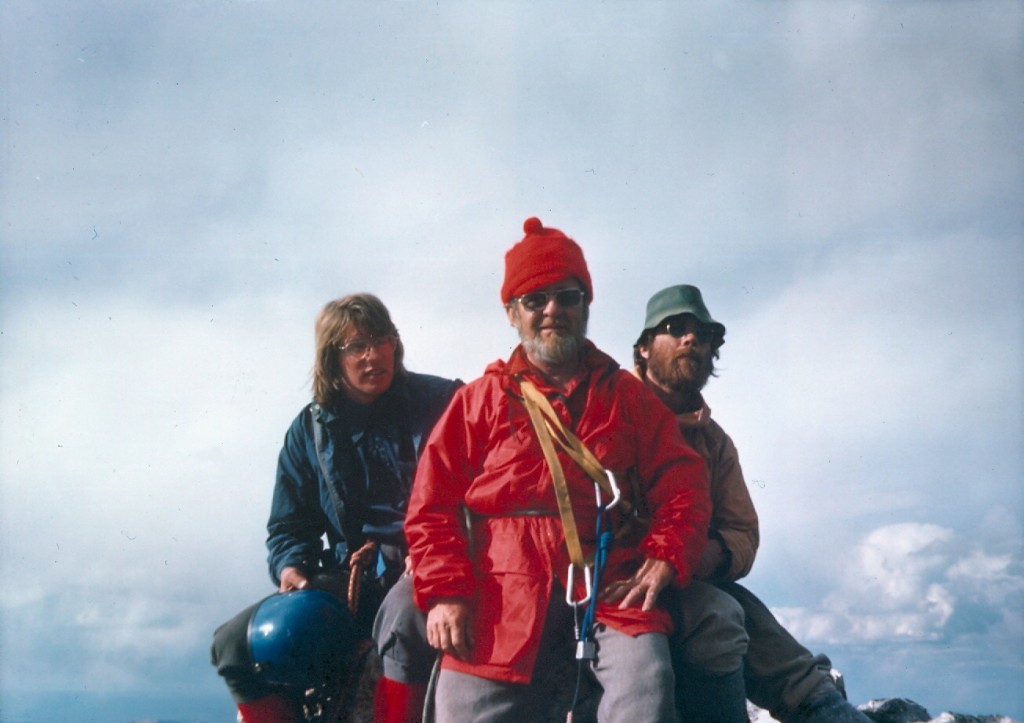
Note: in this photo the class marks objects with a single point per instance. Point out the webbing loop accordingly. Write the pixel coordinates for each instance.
(549, 428)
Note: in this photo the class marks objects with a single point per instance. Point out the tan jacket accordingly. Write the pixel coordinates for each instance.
(733, 517)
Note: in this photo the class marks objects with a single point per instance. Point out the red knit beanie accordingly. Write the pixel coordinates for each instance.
(544, 256)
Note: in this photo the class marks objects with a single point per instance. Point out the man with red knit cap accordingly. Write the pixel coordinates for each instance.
(535, 479)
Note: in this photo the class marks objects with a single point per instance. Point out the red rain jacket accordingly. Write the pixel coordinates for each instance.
(484, 454)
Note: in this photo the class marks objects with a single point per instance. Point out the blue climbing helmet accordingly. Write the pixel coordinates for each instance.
(300, 638)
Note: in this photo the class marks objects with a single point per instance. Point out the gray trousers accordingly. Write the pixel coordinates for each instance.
(230, 655)
(400, 634)
(710, 634)
(780, 672)
(634, 671)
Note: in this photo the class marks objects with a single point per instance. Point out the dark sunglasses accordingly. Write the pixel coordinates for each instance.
(680, 326)
(566, 298)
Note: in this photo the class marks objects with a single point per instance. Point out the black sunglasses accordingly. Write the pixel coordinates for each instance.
(537, 300)
(681, 325)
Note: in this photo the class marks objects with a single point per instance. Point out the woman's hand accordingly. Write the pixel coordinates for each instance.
(292, 578)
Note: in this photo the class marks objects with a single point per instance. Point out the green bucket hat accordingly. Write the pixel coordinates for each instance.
(676, 300)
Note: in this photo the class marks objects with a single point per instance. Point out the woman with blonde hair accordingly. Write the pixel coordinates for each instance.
(335, 537)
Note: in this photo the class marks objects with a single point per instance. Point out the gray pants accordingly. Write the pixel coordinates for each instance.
(230, 655)
(635, 673)
(780, 672)
(710, 635)
(400, 632)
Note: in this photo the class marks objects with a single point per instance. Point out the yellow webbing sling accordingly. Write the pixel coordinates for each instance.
(549, 428)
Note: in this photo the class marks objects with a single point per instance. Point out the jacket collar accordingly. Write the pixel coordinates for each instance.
(699, 418)
(397, 394)
(594, 361)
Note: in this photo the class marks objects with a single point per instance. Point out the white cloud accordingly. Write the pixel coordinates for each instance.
(857, 394)
(906, 582)
(894, 562)
(982, 570)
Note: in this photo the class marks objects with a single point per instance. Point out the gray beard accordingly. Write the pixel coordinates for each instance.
(556, 351)
(559, 350)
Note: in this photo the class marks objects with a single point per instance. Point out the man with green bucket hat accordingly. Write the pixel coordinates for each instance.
(675, 357)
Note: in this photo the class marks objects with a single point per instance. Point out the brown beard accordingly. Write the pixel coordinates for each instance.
(684, 372)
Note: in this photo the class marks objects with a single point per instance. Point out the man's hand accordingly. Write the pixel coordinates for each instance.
(292, 578)
(643, 587)
(448, 627)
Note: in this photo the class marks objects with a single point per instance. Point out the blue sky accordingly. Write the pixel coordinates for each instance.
(183, 185)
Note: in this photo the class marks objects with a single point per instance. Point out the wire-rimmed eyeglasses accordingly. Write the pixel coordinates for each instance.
(360, 346)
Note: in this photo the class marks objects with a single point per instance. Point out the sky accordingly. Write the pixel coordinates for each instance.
(184, 184)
